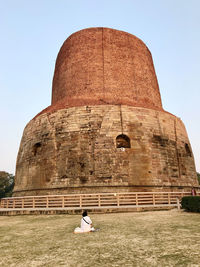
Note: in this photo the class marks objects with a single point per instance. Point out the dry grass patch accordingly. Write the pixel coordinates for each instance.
(159, 238)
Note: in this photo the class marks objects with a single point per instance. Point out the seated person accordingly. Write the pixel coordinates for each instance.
(86, 225)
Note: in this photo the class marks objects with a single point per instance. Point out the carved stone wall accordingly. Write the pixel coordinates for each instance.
(75, 150)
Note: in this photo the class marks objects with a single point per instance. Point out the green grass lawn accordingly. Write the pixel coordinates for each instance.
(158, 238)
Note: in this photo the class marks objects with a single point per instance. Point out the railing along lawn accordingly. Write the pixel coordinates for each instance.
(98, 200)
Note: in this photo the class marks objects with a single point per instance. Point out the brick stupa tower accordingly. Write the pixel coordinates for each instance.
(106, 130)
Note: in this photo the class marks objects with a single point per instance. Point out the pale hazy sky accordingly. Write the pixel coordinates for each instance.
(32, 32)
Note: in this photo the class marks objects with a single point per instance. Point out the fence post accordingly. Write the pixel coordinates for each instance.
(63, 201)
(154, 201)
(80, 201)
(136, 199)
(33, 200)
(47, 202)
(178, 203)
(169, 198)
(99, 200)
(1, 203)
(117, 199)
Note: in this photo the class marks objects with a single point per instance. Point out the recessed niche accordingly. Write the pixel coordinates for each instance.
(188, 151)
(123, 141)
(36, 148)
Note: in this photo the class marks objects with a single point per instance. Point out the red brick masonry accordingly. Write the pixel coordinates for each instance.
(99, 66)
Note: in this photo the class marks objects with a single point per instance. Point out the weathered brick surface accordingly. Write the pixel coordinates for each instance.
(104, 85)
(101, 65)
(78, 153)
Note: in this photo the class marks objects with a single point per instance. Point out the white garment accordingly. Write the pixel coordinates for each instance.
(86, 223)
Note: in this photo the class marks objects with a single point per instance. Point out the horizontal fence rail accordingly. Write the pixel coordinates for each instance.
(98, 200)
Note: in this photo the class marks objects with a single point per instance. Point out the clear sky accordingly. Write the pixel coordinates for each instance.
(33, 31)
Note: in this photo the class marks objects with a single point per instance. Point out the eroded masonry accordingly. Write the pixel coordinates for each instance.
(106, 130)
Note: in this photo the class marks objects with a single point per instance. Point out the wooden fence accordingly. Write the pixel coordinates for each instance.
(94, 201)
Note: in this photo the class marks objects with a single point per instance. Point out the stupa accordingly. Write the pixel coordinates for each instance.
(106, 129)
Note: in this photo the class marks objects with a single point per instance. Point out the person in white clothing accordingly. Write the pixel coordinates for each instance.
(86, 224)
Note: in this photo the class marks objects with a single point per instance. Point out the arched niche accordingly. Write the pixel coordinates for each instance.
(188, 151)
(123, 141)
(36, 148)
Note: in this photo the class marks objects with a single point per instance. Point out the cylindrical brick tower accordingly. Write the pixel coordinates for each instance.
(105, 130)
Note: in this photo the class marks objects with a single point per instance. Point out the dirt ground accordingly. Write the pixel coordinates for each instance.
(156, 238)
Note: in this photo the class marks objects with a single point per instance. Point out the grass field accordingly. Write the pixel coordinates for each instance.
(158, 238)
